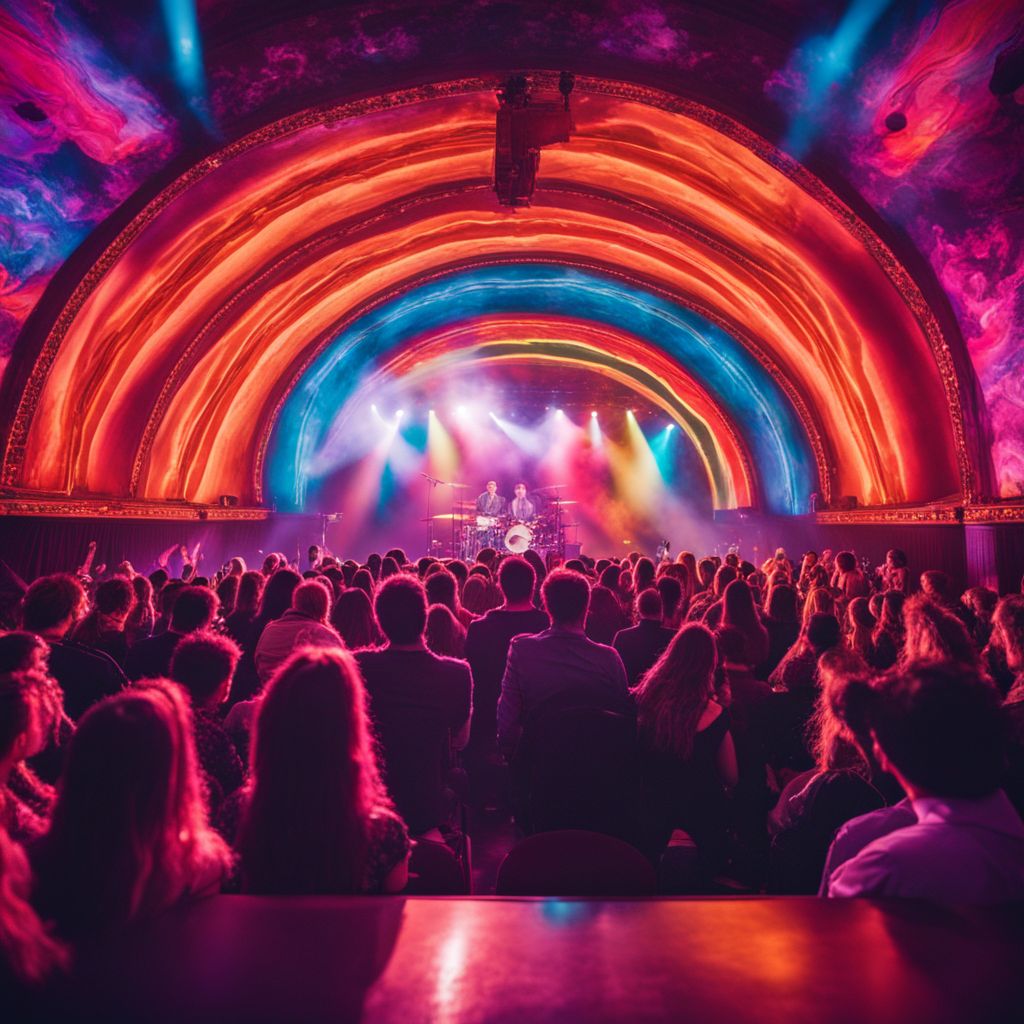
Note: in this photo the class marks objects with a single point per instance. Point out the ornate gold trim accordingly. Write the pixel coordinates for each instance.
(98, 508)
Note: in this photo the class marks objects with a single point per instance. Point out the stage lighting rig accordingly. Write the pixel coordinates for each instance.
(523, 126)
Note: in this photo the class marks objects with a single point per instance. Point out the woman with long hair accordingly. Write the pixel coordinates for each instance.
(739, 611)
(317, 818)
(352, 616)
(934, 634)
(246, 607)
(844, 783)
(860, 627)
(889, 632)
(445, 635)
(688, 755)
(605, 616)
(782, 623)
(142, 618)
(129, 836)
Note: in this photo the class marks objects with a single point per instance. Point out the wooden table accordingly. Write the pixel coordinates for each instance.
(785, 960)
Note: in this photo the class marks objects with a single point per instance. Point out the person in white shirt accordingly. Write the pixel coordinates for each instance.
(937, 728)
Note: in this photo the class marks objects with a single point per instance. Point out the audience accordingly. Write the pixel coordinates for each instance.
(352, 616)
(317, 818)
(444, 635)
(104, 628)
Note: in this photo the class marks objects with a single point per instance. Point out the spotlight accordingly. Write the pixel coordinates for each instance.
(559, 412)
(671, 426)
(593, 415)
(399, 414)
(430, 412)
(373, 408)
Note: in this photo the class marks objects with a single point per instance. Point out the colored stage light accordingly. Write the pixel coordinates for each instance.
(593, 415)
(400, 414)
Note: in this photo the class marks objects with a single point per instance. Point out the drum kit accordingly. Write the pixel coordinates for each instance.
(544, 532)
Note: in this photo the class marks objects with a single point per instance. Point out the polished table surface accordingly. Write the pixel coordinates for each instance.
(532, 960)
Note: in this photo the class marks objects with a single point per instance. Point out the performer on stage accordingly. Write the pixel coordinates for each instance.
(523, 509)
(491, 503)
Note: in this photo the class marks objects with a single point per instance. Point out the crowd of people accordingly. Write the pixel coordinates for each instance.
(808, 728)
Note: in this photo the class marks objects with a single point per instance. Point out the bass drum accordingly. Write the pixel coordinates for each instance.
(519, 538)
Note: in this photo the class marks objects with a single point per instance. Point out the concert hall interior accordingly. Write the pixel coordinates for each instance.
(718, 276)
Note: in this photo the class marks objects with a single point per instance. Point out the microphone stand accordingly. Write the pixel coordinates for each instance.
(432, 482)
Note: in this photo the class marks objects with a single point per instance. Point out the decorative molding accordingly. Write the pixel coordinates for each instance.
(1010, 512)
(99, 508)
(921, 515)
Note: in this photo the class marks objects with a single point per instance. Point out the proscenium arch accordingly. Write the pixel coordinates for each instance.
(714, 216)
(733, 380)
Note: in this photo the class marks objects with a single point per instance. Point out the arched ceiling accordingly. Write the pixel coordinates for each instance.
(333, 241)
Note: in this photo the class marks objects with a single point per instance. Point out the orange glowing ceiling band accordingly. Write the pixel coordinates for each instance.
(616, 354)
(210, 303)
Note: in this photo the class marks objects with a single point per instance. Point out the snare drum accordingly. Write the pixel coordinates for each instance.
(519, 538)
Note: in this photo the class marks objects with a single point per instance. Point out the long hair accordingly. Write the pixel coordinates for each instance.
(862, 625)
(819, 601)
(445, 635)
(672, 695)
(933, 634)
(250, 592)
(352, 616)
(739, 612)
(129, 834)
(833, 740)
(277, 594)
(26, 948)
(314, 779)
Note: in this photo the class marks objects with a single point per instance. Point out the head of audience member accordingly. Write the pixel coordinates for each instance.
(277, 594)
(476, 595)
(194, 609)
(890, 619)
(443, 588)
(810, 560)
(566, 596)
(859, 619)
(271, 564)
(1008, 624)
(835, 743)
(738, 608)
(935, 585)
(823, 633)
(399, 555)
(129, 836)
(158, 578)
(937, 726)
(875, 604)
(487, 556)
(724, 575)
(389, 567)
(204, 664)
(315, 780)
(643, 574)
(373, 563)
(312, 599)
(895, 559)
(53, 604)
(444, 635)
(352, 616)
(673, 693)
(114, 600)
(732, 647)
(981, 602)
(31, 702)
(401, 609)
(649, 606)
(935, 634)
(363, 580)
(846, 561)
(227, 594)
(539, 568)
(517, 580)
(670, 590)
(237, 567)
(782, 603)
(819, 602)
(250, 591)
(458, 568)
(609, 576)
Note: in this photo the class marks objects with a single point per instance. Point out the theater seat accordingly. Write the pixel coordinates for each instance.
(573, 862)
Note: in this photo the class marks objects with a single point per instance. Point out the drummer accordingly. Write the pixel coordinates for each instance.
(522, 508)
(491, 503)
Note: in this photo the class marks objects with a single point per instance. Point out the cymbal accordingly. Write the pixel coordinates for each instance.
(458, 485)
(564, 501)
(445, 515)
(551, 487)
